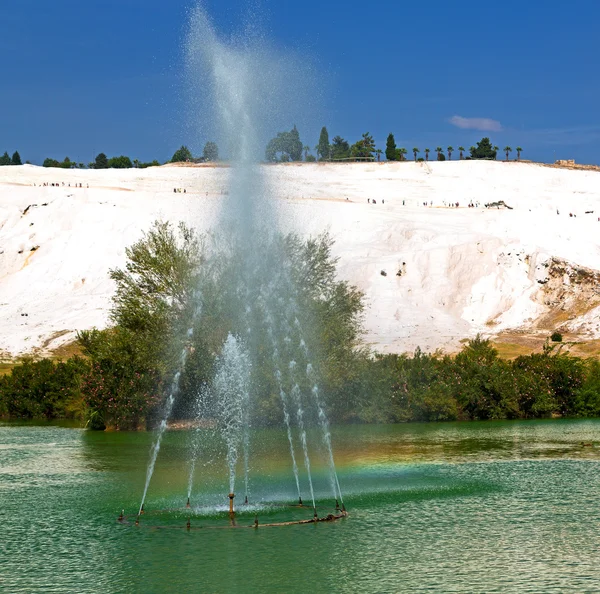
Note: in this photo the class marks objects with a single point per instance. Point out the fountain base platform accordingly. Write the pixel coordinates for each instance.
(232, 521)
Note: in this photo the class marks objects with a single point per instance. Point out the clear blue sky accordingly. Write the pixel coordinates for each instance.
(81, 77)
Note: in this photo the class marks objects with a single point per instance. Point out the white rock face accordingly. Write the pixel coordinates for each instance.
(449, 272)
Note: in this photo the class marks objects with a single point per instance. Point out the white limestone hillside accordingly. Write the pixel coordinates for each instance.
(432, 275)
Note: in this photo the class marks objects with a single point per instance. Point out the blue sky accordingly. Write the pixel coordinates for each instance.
(79, 77)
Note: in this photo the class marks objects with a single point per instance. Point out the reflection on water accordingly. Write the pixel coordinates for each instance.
(472, 507)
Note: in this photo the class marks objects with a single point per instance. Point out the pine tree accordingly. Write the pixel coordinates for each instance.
(181, 155)
(101, 161)
(295, 145)
(16, 158)
(211, 151)
(323, 149)
(5, 159)
(390, 148)
(484, 150)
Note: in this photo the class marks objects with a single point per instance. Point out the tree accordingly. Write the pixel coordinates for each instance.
(401, 154)
(181, 155)
(306, 150)
(519, 150)
(340, 149)
(390, 148)
(507, 150)
(438, 150)
(5, 159)
(210, 151)
(427, 151)
(378, 152)
(441, 156)
(483, 150)
(121, 162)
(323, 148)
(286, 146)
(364, 148)
(415, 151)
(16, 158)
(462, 150)
(151, 312)
(450, 150)
(295, 145)
(101, 161)
(496, 149)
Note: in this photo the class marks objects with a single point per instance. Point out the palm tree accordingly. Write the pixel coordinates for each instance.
(415, 151)
(496, 149)
(438, 150)
(462, 150)
(450, 150)
(518, 149)
(402, 152)
(378, 152)
(507, 150)
(426, 154)
(136, 163)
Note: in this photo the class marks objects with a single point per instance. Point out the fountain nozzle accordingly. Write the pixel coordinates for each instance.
(121, 516)
(315, 516)
(188, 525)
(300, 501)
(231, 496)
(188, 503)
(141, 510)
(137, 520)
(337, 505)
(246, 500)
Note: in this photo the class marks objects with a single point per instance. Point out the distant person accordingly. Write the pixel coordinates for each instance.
(368, 200)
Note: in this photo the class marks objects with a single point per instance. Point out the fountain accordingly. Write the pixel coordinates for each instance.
(244, 81)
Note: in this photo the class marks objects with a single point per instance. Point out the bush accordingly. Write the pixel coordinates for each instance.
(556, 337)
(121, 162)
(43, 390)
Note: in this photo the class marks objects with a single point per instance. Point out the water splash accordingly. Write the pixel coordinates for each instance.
(231, 387)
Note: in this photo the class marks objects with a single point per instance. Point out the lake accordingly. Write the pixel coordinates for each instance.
(454, 507)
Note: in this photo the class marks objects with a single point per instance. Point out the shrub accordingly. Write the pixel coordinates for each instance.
(556, 337)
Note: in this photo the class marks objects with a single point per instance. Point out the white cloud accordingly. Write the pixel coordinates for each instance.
(485, 124)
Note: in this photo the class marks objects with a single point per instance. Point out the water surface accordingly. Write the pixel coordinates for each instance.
(471, 507)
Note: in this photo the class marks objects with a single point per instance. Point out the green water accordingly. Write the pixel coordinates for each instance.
(477, 507)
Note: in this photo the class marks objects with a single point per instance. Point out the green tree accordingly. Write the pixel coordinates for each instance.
(439, 151)
(483, 150)
(286, 146)
(519, 151)
(461, 151)
(450, 150)
(507, 150)
(340, 149)
(5, 159)
(415, 151)
(48, 162)
(121, 162)
(101, 161)
(16, 158)
(401, 154)
(210, 151)
(390, 148)
(181, 155)
(427, 151)
(151, 310)
(364, 148)
(323, 148)
(496, 149)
